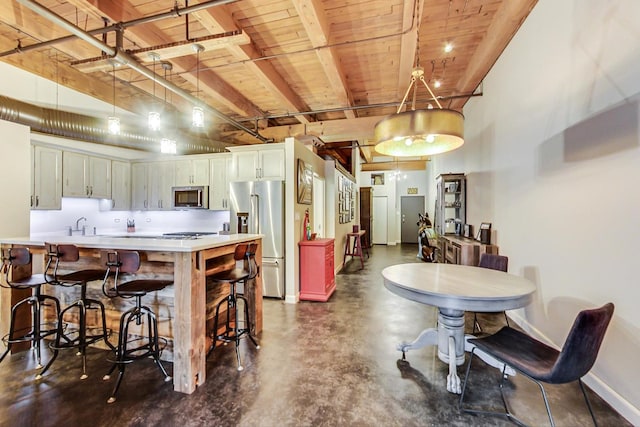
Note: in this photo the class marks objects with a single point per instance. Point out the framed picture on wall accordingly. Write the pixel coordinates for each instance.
(305, 183)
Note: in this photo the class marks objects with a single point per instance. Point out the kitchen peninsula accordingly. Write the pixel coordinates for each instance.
(189, 262)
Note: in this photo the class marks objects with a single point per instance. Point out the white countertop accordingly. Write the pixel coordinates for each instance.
(142, 241)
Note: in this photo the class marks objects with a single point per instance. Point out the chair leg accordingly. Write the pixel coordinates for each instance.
(236, 337)
(56, 346)
(507, 413)
(121, 351)
(154, 342)
(586, 399)
(39, 334)
(546, 401)
(476, 324)
(247, 321)
(506, 318)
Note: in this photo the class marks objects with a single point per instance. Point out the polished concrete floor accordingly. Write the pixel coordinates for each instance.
(320, 364)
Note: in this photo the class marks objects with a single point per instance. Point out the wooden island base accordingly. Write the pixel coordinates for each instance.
(185, 310)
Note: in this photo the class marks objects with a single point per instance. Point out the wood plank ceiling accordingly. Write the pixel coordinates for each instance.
(322, 71)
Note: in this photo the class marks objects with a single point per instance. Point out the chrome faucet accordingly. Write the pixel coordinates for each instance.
(78, 223)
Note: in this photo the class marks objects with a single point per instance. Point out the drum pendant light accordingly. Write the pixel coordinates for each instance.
(417, 133)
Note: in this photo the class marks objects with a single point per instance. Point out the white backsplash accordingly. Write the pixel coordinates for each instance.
(58, 222)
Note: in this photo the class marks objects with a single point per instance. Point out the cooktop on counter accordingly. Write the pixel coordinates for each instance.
(187, 234)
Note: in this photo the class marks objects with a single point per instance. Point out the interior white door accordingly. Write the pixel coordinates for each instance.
(380, 221)
(318, 206)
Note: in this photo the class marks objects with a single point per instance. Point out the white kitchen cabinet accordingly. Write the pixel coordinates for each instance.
(120, 186)
(192, 172)
(47, 178)
(258, 164)
(151, 185)
(139, 191)
(219, 186)
(161, 176)
(85, 176)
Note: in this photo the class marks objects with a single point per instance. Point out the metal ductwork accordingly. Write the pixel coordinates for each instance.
(125, 59)
(92, 129)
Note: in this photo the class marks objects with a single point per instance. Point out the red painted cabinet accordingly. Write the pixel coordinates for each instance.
(317, 278)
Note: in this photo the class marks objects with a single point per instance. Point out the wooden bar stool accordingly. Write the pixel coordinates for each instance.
(356, 249)
(17, 257)
(130, 349)
(82, 336)
(232, 330)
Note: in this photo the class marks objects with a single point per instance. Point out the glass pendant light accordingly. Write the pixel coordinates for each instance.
(154, 116)
(113, 122)
(197, 115)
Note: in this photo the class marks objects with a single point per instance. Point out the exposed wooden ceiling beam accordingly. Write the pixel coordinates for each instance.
(409, 42)
(317, 28)
(329, 131)
(220, 19)
(151, 35)
(41, 64)
(403, 165)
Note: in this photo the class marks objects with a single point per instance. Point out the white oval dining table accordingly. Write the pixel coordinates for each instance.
(455, 289)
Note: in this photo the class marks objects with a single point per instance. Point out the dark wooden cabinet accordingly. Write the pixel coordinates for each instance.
(366, 208)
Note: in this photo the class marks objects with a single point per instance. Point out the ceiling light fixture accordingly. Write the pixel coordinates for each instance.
(418, 133)
(113, 122)
(197, 115)
(154, 116)
(168, 146)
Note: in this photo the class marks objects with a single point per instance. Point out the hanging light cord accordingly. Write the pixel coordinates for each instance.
(114, 89)
(417, 74)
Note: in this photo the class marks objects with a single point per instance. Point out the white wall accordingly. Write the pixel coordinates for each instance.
(56, 223)
(15, 176)
(393, 188)
(40, 91)
(552, 153)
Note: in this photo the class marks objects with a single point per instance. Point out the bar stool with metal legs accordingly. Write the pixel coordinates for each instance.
(128, 262)
(233, 332)
(82, 336)
(11, 259)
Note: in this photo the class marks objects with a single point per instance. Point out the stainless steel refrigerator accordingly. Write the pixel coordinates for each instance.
(258, 207)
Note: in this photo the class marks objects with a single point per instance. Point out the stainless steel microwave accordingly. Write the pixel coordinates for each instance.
(193, 197)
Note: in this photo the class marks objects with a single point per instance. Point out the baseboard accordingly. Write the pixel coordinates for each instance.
(602, 389)
(291, 299)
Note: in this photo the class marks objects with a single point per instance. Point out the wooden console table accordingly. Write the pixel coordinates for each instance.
(461, 250)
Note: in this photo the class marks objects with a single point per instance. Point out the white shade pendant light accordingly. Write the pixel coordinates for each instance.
(197, 115)
(418, 133)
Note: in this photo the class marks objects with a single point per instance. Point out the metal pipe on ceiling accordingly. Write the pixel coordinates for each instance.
(356, 107)
(91, 129)
(125, 59)
(173, 13)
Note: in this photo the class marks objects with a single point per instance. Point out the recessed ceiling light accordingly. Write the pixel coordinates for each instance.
(437, 83)
(448, 47)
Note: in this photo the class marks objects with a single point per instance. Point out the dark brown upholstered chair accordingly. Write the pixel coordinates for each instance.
(128, 263)
(16, 257)
(83, 335)
(544, 364)
(493, 262)
(233, 332)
